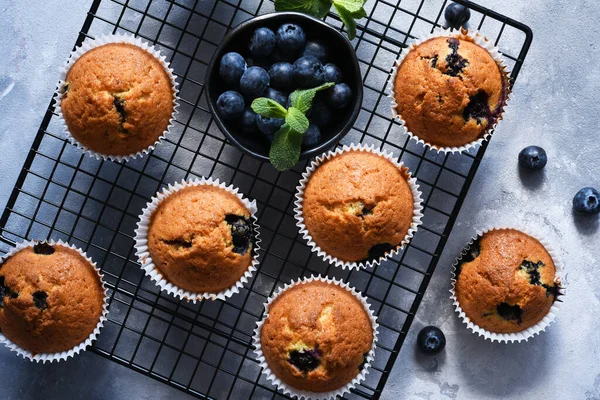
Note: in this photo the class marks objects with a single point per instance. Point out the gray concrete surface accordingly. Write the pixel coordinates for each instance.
(554, 105)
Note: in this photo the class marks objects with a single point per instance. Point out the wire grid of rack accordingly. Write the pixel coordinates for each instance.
(205, 348)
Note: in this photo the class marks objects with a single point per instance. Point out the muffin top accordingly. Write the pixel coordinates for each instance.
(357, 206)
(317, 336)
(200, 238)
(117, 99)
(449, 91)
(506, 281)
(51, 298)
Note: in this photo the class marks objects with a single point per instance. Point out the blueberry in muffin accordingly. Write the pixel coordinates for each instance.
(506, 282)
(317, 336)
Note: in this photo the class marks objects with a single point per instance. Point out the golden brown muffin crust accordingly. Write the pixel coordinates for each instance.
(509, 286)
(355, 201)
(191, 243)
(51, 302)
(449, 91)
(119, 99)
(323, 316)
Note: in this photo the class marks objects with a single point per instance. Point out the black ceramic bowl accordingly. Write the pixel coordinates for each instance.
(341, 53)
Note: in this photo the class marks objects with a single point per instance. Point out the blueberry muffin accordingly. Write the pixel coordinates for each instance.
(51, 298)
(450, 91)
(117, 99)
(200, 238)
(317, 336)
(506, 282)
(358, 206)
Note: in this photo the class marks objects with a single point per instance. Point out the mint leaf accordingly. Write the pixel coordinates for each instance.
(347, 19)
(268, 108)
(359, 14)
(352, 6)
(302, 99)
(297, 120)
(285, 149)
(316, 8)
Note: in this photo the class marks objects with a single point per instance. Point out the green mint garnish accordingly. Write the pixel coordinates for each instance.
(285, 148)
(349, 10)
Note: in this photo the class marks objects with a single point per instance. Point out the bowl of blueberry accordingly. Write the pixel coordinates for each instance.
(284, 86)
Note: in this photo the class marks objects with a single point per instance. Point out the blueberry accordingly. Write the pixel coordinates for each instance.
(533, 158)
(268, 126)
(321, 114)
(262, 43)
(308, 72)
(331, 73)
(457, 15)
(230, 105)
(431, 340)
(311, 137)
(258, 62)
(241, 232)
(40, 299)
(43, 248)
(254, 81)
(282, 56)
(306, 359)
(290, 38)
(232, 68)
(282, 75)
(339, 96)
(276, 95)
(249, 121)
(315, 49)
(587, 201)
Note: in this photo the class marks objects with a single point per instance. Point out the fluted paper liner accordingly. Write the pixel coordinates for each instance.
(302, 394)
(528, 333)
(90, 44)
(50, 357)
(476, 38)
(412, 182)
(141, 242)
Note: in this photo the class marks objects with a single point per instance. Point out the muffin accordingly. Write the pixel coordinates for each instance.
(506, 282)
(450, 91)
(52, 298)
(358, 206)
(317, 336)
(117, 99)
(200, 238)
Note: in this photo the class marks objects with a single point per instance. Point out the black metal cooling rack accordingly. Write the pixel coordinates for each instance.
(205, 348)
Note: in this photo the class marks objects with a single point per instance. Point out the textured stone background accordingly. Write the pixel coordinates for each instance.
(554, 105)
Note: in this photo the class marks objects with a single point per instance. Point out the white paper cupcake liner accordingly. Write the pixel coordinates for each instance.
(50, 357)
(90, 44)
(478, 39)
(302, 394)
(528, 333)
(141, 242)
(414, 187)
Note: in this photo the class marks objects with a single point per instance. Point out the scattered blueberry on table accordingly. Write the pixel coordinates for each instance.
(587, 201)
(431, 340)
(533, 158)
(457, 15)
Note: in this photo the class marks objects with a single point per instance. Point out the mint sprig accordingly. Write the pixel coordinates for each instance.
(348, 10)
(287, 142)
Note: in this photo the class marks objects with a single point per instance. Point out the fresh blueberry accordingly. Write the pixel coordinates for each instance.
(331, 73)
(533, 158)
(262, 43)
(232, 68)
(279, 55)
(276, 95)
(308, 72)
(315, 49)
(290, 38)
(431, 340)
(311, 137)
(268, 126)
(230, 105)
(339, 96)
(321, 114)
(249, 121)
(282, 75)
(587, 201)
(457, 15)
(254, 82)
